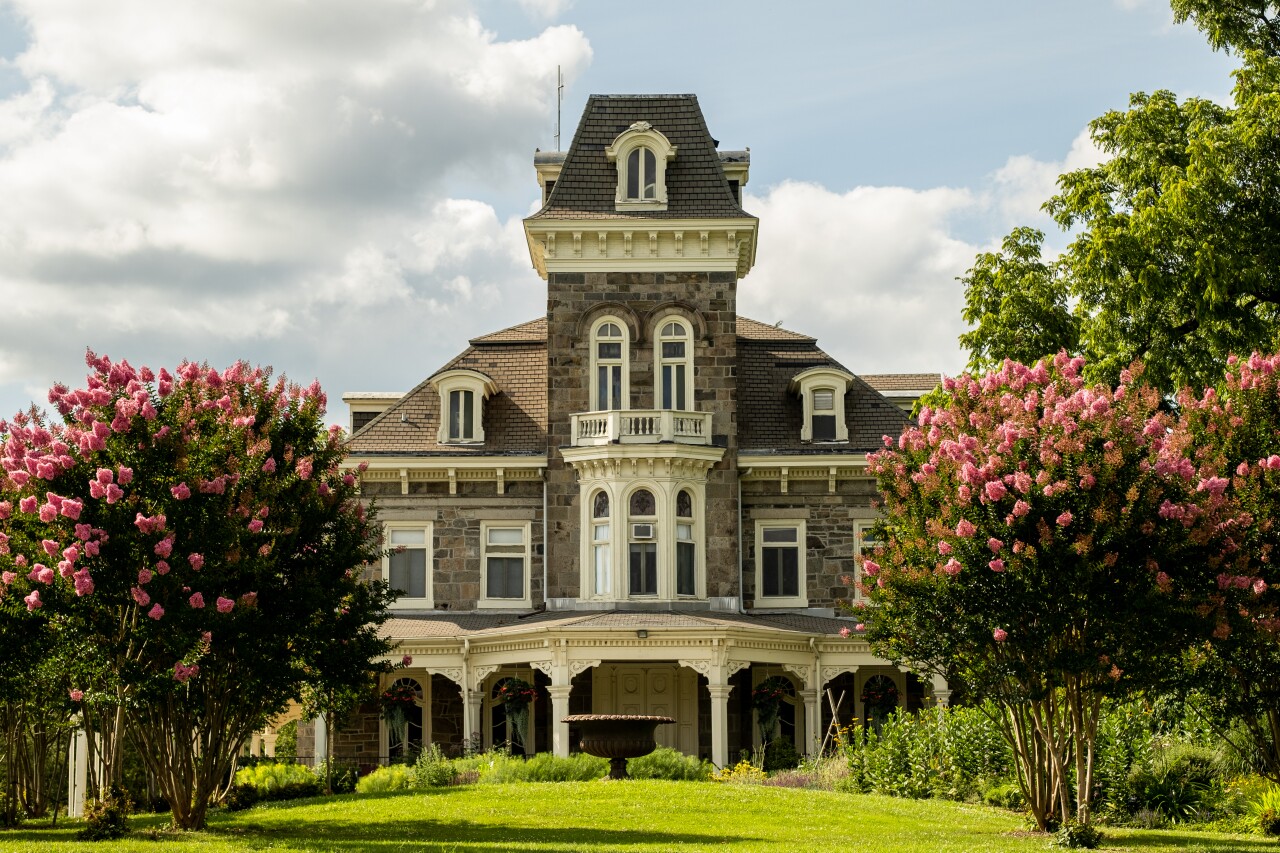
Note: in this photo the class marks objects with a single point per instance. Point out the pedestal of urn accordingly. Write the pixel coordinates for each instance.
(617, 737)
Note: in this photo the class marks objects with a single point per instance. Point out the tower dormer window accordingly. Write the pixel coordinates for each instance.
(609, 379)
(641, 154)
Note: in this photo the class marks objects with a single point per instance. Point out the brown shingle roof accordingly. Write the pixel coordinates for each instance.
(530, 332)
(515, 418)
(696, 185)
(756, 331)
(885, 382)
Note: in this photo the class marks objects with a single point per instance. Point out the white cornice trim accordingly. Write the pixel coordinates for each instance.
(638, 244)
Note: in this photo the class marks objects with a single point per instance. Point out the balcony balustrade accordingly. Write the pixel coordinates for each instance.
(641, 426)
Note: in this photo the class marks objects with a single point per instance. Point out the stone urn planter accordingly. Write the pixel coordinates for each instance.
(617, 737)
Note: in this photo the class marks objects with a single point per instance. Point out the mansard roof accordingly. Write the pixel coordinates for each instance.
(515, 418)
(696, 185)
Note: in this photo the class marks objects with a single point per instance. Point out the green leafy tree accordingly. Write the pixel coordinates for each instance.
(1235, 25)
(198, 533)
(1024, 554)
(1175, 258)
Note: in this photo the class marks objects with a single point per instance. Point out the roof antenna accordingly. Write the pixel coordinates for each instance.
(559, 100)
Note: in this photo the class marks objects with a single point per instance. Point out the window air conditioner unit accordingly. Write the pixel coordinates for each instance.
(642, 531)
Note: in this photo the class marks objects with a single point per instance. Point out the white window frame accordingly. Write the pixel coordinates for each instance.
(699, 546)
(641, 135)
(596, 363)
(427, 528)
(684, 363)
(595, 545)
(480, 386)
(863, 541)
(661, 535)
(486, 601)
(815, 380)
(801, 599)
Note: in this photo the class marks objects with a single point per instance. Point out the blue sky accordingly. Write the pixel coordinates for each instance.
(335, 188)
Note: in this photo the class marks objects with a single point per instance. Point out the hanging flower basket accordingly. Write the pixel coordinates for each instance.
(516, 694)
(767, 699)
(396, 702)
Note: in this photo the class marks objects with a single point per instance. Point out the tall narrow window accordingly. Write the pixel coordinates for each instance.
(461, 415)
(609, 366)
(601, 554)
(824, 414)
(674, 369)
(642, 171)
(686, 550)
(405, 566)
(643, 553)
(866, 545)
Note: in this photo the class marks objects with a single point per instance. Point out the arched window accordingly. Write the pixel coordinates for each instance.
(601, 554)
(675, 369)
(402, 710)
(609, 381)
(642, 566)
(642, 175)
(686, 547)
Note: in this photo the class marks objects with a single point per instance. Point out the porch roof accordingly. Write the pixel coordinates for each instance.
(473, 624)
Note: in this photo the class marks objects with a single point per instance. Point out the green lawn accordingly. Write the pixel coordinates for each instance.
(613, 816)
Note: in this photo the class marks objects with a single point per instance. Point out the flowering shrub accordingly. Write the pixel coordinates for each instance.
(1036, 541)
(197, 538)
(742, 773)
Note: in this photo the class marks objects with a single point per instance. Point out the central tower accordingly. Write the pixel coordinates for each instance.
(642, 239)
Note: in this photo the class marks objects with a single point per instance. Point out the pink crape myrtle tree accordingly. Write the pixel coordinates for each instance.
(1232, 437)
(198, 537)
(1034, 547)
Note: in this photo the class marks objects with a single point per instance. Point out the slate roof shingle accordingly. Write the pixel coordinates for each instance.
(696, 185)
(457, 625)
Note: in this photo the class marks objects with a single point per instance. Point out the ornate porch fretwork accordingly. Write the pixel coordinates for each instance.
(735, 666)
(479, 674)
(542, 666)
(577, 667)
(831, 672)
(453, 673)
(800, 670)
(702, 667)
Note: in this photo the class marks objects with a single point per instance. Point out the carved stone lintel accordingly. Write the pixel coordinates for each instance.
(542, 666)
(479, 674)
(577, 667)
(641, 126)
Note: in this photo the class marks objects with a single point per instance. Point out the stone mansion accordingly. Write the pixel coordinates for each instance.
(641, 502)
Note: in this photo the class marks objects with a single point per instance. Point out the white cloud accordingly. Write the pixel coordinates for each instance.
(1024, 183)
(205, 179)
(869, 272)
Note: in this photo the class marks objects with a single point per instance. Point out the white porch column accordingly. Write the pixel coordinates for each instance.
(471, 715)
(322, 738)
(560, 710)
(941, 691)
(719, 723)
(77, 773)
(812, 719)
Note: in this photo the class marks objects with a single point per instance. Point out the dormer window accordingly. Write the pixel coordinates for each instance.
(462, 396)
(822, 391)
(641, 154)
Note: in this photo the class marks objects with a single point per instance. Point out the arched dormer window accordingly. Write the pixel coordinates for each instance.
(822, 391)
(641, 154)
(462, 396)
(610, 384)
(675, 366)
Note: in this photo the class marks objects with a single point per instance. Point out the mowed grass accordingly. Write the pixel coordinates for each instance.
(611, 816)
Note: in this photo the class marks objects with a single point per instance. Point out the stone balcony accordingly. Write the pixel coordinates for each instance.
(641, 426)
